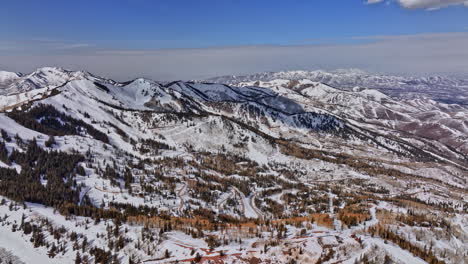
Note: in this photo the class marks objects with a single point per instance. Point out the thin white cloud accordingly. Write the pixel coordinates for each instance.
(424, 4)
(430, 4)
(73, 46)
(42, 45)
(370, 2)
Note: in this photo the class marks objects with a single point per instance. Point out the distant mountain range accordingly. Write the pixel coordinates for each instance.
(439, 88)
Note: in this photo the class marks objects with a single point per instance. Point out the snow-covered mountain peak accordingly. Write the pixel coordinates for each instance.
(351, 71)
(374, 94)
(316, 90)
(439, 88)
(7, 77)
(42, 77)
(142, 81)
(46, 70)
(57, 75)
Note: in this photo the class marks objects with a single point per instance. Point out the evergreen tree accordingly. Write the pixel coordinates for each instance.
(78, 258)
(5, 135)
(4, 153)
(50, 142)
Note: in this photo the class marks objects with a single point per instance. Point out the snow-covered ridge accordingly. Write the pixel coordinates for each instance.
(301, 104)
(343, 76)
(50, 77)
(441, 88)
(249, 105)
(422, 116)
(7, 77)
(300, 153)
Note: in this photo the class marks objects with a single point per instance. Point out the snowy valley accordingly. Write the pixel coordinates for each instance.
(290, 167)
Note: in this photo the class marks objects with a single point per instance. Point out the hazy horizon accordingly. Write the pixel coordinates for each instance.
(167, 40)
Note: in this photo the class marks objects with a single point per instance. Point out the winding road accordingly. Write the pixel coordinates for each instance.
(180, 193)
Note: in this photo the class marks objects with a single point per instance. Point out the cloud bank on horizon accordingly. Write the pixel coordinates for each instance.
(419, 54)
(373, 35)
(424, 4)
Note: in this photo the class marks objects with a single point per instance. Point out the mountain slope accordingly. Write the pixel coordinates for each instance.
(156, 172)
(440, 88)
(413, 119)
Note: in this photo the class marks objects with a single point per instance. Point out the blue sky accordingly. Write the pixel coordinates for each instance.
(150, 24)
(82, 28)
